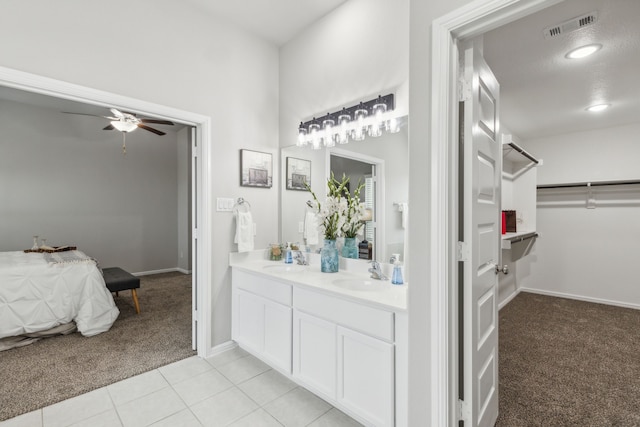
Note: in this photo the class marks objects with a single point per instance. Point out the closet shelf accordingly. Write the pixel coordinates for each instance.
(520, 236)
(508, 147)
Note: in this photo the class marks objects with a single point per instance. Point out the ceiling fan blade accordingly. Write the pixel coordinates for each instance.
(85, 114)
(156, 131)
(117, 113)
(110, 127)
(158, 122)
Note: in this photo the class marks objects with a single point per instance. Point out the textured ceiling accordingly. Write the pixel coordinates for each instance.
(543, 93)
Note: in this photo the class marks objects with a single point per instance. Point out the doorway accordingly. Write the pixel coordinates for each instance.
(200, 174)
(464, 23)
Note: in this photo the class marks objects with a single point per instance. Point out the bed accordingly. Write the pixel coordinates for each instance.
(41, 291)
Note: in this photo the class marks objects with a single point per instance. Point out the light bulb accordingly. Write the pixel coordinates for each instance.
(302, 136)
(124, 126)
(583, 51)
(392, 125)
(344, 120)
(378, 117)
(327, 124)
(360, 115)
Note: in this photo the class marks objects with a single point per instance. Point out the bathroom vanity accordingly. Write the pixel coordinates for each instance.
(341, 335)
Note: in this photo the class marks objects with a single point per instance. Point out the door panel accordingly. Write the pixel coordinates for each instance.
(481, 207)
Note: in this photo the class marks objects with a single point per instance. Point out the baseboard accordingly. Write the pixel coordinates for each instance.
(508, 299)
(221, 348)
(582, 298)
(183, 271)
(164, 270)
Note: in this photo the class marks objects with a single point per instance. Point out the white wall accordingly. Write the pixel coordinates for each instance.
(65, 179)
(588, 253)
(174, 54)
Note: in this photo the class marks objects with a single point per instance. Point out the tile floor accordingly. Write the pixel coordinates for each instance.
(229, 389)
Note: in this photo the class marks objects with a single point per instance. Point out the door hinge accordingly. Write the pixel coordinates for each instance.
(462, 252)
(195, 234)
(464, 90)
(463, 412)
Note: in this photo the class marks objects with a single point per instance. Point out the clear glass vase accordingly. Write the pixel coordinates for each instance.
(350, 250)
(329, 259)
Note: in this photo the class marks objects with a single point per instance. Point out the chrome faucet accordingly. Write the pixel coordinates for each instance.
(376, 271)
(300, 258)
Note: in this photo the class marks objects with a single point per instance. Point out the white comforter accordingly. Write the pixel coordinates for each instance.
(36, 295)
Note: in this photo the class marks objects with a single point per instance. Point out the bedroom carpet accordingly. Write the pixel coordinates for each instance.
(568, 363)
(55, 369)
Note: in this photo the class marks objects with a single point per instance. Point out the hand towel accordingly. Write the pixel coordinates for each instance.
(244, 231)
(404, 208)
(311, 228)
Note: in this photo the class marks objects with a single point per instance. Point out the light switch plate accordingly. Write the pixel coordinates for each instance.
(224, 204)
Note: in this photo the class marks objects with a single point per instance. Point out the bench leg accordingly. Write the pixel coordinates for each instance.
(134, 294)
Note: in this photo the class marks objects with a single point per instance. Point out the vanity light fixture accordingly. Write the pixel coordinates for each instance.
(368, 118)
(583, 51)
(598, 107)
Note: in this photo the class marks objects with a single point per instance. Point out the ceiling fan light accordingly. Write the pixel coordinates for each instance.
(583, 51)
(598, 107)
(124, 126)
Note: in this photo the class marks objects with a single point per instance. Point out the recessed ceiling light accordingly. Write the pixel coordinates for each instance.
(597, 108)
(583, 51)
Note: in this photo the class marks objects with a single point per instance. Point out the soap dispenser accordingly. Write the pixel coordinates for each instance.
(396, 277)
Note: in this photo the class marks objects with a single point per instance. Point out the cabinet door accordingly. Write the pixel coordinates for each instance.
(314, 360)
(250, 321)
(277, 335)
(366, 376)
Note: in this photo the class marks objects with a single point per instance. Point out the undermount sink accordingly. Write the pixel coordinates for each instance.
(286, 268)
(361, 284)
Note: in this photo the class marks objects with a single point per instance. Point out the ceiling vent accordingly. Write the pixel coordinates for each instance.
(571, 25)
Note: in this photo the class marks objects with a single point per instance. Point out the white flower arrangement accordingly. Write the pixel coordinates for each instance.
(341, 214)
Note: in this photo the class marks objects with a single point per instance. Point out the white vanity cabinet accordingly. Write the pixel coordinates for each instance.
(348, 350)
(344, 351)
(262, 318)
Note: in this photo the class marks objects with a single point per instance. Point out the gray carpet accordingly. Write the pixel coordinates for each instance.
(568, 363)
(55, 369)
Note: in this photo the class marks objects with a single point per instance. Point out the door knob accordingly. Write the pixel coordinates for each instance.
(504, 269)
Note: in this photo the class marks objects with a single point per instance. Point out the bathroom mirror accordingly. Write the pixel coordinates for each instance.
(385, 156)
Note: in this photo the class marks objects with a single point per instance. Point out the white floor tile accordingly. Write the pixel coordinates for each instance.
(105, 419)
(76, 409)
(150, 408)
(267, 386)
(224, 408)
(184, 369)
(259, 417)
(243, 369)
(183, 418)
(335, 418)
(227, 356)
(30, 419)
(198, 388)
(135, 387)
(297, 408)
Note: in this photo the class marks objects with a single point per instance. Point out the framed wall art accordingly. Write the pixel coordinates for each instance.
(256, 169)
(298, 173)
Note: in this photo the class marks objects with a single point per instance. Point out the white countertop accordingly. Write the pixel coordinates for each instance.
(386, 295)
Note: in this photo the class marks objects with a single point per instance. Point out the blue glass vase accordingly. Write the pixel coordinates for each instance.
(350, 250)
(329, 260)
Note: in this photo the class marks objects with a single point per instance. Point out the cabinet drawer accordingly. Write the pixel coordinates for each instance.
(371, 321)
(263, 286)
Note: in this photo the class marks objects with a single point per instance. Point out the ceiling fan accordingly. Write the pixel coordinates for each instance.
(127, 122)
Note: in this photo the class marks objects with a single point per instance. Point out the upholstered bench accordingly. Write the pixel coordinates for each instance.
(117, 280)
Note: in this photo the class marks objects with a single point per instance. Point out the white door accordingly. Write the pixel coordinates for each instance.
(481, 234)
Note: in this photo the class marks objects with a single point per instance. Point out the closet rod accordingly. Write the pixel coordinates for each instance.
(588, 184)
(523, 152)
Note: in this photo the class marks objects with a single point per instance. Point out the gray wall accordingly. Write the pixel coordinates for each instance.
(65, 179)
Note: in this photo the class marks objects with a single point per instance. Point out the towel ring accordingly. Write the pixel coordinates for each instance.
(242, 202)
